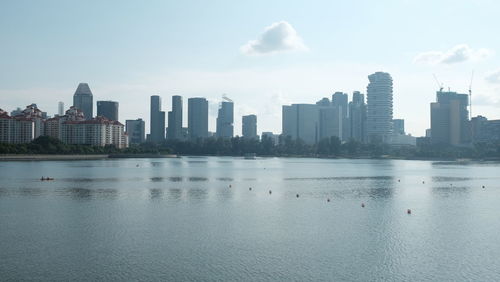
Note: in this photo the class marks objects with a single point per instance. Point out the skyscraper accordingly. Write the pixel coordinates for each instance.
(174, 130)
(108, 109)
(450, 119)
(197, 118)
(301, 121)
(135, 130)
(379, 114)
(357, 116)
(157, 127)
(249, 126)
(60, 108)
(340, 100)
(225, 119)
(83, 100)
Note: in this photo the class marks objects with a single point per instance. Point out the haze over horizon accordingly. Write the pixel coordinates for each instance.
(261, 54)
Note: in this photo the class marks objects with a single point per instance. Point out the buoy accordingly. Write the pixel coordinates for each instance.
(451, 184)
(483, 187)
(270, 192)
(137, 165)
(423, 182)
(230, 186)
(328, 200)
(297, 195)
(399, 180)
(250, 189)
(362, 205)
(408, 211)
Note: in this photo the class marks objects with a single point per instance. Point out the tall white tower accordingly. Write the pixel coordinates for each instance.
(379, 105)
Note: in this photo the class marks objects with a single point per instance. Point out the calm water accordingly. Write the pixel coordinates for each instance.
(179, 220)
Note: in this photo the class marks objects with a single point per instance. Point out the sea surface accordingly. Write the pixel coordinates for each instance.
(196, 219)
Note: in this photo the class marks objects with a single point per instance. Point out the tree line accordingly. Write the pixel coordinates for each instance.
(286, 147)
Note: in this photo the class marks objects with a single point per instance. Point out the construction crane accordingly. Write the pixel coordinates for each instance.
(470, 95)
(225, 98)
(440, 85)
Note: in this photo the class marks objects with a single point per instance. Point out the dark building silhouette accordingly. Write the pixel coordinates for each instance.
(83, 100)
(340, 100)
(449, 119)
(197, 118)
(174, 130)
(135, 130)
(357, 117)
(108, 109)
(225, 120)
(249, 126)
(157, 124)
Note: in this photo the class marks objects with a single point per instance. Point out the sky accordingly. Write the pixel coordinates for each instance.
(261, 54)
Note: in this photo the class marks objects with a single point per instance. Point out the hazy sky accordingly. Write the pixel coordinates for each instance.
(260, 53)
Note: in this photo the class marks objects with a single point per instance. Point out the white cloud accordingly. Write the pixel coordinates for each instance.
(458, 54)
(493, 77)
(278, 37)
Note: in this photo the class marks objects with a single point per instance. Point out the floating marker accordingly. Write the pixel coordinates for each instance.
(297, 195)
(328, 200)
(250, 189)
(270, 192)
(408, 211)
(362, 205)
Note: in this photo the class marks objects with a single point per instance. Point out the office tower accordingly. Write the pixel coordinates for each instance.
(108, 109)
(330, 122)
(197, 118)
(60, 108)
(357, 116)
(174, 130)
(379, 104)
(225, 119)
(82, 99)
(157, 123)
(340, 100)
(249, 126)
(135, 130)
(398, 126)
(301, 122)
(450, 118)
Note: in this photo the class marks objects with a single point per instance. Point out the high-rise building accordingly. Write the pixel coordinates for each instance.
(398, 126)
(83, 100)
(225, 119)
(379, 104)
(357, 116)
(174, 130)
(249, 126)
(157, 123)
(340, 100)
(197, 118)
(108, 109)
(135, 130)
(450, 119)
(60, 108)
(301, 122)
(330, 119)
(98, 131)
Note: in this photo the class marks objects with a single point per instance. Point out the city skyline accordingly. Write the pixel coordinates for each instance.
(211, 59)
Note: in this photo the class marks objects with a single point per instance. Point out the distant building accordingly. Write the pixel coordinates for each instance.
(398, 126)
(449, 119)
(135, 130)
(174, 131)
(98, 131)
(16, 112)
(301, 122)
(53, 125)
(484, 130)
(357, 117)
(157, 123)
(249, 126)
(271, 136)
(197, 118)
(60, 108)
(108, 109)
(330, 121)
(16, 130)
(379, 107)
(225, 120)
(340, 100)
(83, 100)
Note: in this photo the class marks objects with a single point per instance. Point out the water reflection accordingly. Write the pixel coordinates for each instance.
(225, 179)
(340, 178)
(79, 193)
(449, 178)
(156, 179)
(155, 194)
(448, 191)
(175, 193)
(196, 179)
(197, 194)
(175, 179)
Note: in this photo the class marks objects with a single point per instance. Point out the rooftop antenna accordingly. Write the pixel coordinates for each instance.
(470, 95)
(440, 85)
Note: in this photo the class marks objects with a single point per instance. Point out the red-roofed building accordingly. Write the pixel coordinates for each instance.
(98, 131)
